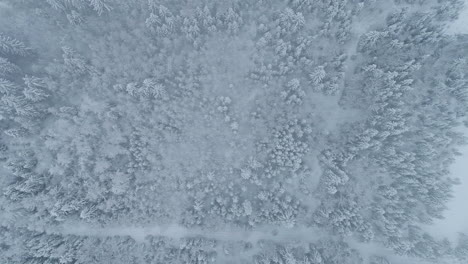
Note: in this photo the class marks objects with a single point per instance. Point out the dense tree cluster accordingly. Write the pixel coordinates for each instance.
(228, 131)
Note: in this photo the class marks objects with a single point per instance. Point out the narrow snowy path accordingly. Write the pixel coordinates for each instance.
(277, 234)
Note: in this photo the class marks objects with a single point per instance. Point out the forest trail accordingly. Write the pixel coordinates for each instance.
(174, 231)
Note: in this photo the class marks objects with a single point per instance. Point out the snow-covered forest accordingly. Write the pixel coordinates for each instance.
(231, 131)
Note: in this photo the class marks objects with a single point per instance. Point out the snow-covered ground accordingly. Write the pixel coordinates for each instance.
(174, 231)
(460, 26)
(3, 4)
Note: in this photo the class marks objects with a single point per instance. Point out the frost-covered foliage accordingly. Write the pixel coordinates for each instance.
(195, 131)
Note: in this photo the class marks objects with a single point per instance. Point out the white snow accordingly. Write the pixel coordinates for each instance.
(460, 26)
(175, 231)
(456, 217)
